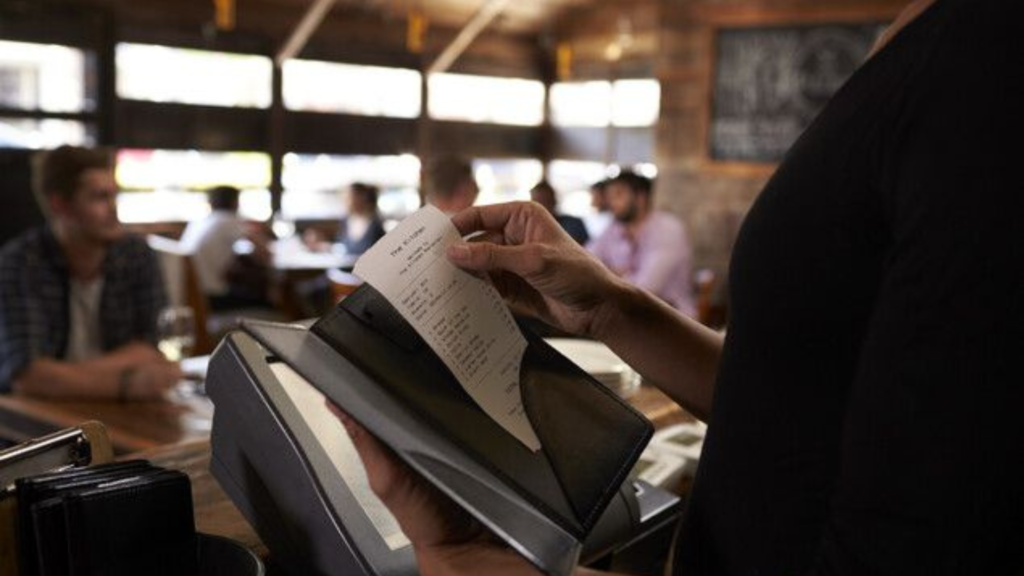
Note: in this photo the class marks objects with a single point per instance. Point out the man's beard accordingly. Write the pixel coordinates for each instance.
(629, 216)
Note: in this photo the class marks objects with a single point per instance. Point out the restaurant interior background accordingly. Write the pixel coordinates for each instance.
(704, 94)
(293, 100)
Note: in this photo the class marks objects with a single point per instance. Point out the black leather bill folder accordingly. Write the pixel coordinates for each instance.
(114, 519)
(369, 361)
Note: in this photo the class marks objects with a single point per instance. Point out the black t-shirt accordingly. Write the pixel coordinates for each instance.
(869, 410)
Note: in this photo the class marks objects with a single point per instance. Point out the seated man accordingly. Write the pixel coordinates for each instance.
(229, 281)
(79, 298)
(648, 248)
(451, 186)
(544, 194)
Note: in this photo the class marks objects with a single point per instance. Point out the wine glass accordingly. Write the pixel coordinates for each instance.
(176, 332)
(176, 337)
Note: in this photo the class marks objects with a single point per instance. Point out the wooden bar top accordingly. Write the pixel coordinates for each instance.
(132, 426)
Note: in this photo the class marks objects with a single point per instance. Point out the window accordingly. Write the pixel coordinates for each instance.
(43, 133)
(346, 88)
(169, 185)
(506, 180)
(599, 103)
(486, 99)
(636, 102)
(581, 103)
(43, 77)
(185, 76)
(313, 184)
(572, 180)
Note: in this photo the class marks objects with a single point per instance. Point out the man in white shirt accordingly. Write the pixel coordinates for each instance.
(211, 242)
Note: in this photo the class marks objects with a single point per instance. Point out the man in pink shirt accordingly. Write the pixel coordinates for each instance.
(646, 247)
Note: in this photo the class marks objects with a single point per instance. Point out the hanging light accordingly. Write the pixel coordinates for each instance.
(416, 31)
(224, 14)
(563, 60)
(622, 42)
(613, 51)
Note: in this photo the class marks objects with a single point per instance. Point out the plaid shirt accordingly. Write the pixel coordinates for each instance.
(34, 286)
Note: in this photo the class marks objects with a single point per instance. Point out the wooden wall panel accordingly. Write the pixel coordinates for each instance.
(712, 197)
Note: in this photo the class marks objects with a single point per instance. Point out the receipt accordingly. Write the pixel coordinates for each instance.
(461, 317)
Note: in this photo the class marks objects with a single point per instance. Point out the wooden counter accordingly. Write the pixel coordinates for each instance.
(132, 426)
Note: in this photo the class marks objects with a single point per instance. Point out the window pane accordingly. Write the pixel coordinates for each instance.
(581, 103)
(486, 99)
(183, 206)
(43, 77)
(313, 184)
(636, 102)
(350, 89)
(168, 185)
(37, 134)
(572, 181)
(164, 74)
(506, 180)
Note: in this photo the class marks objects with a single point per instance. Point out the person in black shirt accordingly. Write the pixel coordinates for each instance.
(864, 407)
(360, 229)
(544, 194)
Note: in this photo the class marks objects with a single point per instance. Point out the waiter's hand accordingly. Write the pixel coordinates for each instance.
(446, 540)
(536, 266)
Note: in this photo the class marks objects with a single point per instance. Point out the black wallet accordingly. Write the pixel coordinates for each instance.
(366, 358)
(35, 519)
(120, 519)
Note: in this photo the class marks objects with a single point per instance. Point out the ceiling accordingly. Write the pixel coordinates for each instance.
(519, 16)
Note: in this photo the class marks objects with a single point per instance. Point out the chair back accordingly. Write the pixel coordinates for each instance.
(704, 292)
(342, 283)
(182, 284)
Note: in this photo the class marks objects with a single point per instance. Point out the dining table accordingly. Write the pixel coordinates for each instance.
(296, 270)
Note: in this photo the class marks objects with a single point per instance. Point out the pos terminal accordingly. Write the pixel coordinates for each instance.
(288, 465)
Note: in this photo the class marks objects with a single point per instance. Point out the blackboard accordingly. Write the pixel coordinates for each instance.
(771, 82)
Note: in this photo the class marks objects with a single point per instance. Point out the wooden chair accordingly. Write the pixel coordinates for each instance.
(183, 289)
(704, 292)
(342, 284)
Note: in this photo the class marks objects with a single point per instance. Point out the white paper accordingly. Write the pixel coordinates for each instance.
(461, 317)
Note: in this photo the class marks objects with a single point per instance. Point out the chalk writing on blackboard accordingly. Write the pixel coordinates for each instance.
(771, 82)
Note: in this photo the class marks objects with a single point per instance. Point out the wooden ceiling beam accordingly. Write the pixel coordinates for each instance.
(300, 36)
(477, 24)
